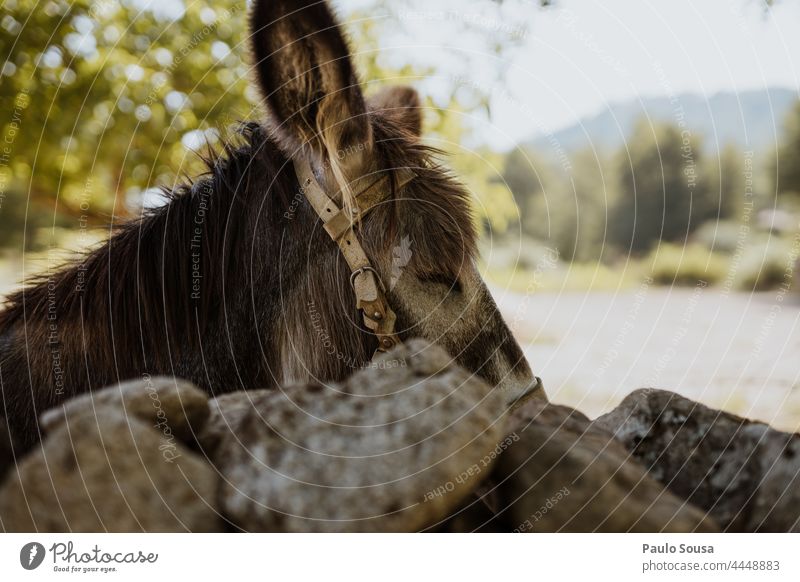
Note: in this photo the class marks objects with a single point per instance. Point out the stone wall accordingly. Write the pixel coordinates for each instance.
(413, 443)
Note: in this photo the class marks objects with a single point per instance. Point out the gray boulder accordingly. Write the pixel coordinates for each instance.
(744, 473)
(105, 471)
(561, 473)
(393, 448)
(174, 407)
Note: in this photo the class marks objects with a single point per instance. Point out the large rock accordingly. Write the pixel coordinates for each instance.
(744, 473)
(560, 473)
(109, 472)
(175, 407)
(394, 448)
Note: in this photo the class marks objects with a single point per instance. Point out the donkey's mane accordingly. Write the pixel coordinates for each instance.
(140, 280)
(151, 256)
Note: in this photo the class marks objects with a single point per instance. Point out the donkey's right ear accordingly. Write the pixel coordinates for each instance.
(402, 105)
(304, 69)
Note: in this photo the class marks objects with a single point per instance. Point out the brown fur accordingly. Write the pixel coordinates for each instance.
(402, 105)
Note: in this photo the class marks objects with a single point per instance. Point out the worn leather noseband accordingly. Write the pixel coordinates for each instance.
(340, 224)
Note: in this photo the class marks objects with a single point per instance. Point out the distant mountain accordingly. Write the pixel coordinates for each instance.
(751, 119)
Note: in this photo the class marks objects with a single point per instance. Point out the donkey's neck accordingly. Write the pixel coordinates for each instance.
(227, 285)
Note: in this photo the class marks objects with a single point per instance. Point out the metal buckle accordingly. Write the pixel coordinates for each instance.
(362, 270)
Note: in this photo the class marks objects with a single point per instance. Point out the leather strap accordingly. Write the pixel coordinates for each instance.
(340, 225)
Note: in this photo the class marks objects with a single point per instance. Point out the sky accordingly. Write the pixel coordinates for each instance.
(575, 58)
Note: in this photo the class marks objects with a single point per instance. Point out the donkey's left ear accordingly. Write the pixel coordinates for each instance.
(304, 69)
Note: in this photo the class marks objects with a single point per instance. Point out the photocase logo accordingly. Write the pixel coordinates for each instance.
(31, 555)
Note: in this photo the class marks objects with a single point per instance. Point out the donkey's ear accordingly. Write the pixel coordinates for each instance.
(303, 67)
(401, 104)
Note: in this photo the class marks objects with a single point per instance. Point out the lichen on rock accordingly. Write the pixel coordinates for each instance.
(745, 474)
(393, 448)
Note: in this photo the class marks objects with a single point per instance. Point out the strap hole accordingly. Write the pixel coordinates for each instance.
(348, 242)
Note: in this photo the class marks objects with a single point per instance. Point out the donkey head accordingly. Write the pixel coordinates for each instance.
(421, 240)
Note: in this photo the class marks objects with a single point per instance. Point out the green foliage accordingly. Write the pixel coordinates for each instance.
(723, 236)
(658, 187)
(767, 265)
(661, 194)
(687, 265)
(523, 177)
(566, 203)
(14, 213)
(582, 222)
(727, 187)
(787, 170)
(115, 91)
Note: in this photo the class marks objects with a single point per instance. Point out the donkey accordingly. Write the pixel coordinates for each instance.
(234, 285)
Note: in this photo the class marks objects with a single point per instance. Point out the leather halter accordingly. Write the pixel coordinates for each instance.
(340, 225)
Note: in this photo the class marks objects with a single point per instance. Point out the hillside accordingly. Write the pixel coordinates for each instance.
(750, 119)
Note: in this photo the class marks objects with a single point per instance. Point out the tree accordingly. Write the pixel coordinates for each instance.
(523, 175)
(661, 196)
(725, 175)
(592, 191)
(119, 93)
(787, 170)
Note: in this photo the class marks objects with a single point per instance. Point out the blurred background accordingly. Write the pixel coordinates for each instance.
(634, 166)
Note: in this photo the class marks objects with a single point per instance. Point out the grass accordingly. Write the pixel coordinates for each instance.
(765, 264)
(675, 265)
(565, 277)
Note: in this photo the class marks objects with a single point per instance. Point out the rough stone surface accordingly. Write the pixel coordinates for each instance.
(171, 405)
(109, 472)
(412, 443)
(479, 512)
(393, 448)
(744, 473)
(560, 473)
